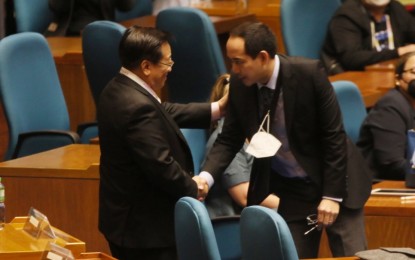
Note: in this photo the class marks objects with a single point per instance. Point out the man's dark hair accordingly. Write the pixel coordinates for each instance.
(141, 43)
(258, 37)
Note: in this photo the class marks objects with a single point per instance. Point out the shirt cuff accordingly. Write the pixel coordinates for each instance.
(334, 199)
(208, 177)
(215, 111)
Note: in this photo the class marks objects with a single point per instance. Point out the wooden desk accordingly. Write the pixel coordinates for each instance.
(389, 223)
(388, 65)
(372, 84)
(15, 243)
(266, 11)
(335, 258)
(222, 24)
(63, 184)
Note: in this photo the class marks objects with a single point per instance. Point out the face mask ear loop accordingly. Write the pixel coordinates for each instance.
(266, 117)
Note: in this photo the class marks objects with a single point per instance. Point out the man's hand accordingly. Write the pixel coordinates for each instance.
(202, 187)
(327, 212)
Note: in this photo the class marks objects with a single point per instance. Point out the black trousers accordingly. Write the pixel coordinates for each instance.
(300, 199)
(123, 253)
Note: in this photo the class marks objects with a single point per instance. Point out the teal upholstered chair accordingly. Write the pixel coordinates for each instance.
(195, 51)
(141, 8)
(304, 25)
(196, 139)
(265, 235)
(100, 40)
(32, 15)
(352, 107)
(195, 237)
(32, 96)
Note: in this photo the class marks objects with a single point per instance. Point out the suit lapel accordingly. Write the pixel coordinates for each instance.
(252, 114)
(159, 106)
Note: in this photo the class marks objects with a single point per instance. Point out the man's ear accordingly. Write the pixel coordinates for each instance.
(264, 56)
(145, 66)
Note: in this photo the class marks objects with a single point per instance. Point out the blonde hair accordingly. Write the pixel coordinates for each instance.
(220, 88)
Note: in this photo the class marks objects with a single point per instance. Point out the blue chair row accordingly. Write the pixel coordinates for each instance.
(304, 25)
(352, 107)
(32, 96)
(35, 15)
(259, 234)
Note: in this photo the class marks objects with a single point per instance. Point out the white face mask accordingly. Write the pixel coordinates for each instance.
(377, 2)
(262, 143)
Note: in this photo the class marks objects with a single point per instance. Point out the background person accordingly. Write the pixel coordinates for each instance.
(229, 194)
(146, 164)
(71, 16)
(309, 171)
(383, 136)
(364, 32)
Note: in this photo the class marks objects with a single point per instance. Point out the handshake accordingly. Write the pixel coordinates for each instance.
(202, 187)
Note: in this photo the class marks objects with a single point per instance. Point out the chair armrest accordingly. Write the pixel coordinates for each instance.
(38, 141)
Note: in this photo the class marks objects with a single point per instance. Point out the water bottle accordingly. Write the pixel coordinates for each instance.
(2, 206)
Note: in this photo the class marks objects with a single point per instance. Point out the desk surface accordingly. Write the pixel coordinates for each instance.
(386, 205)
(222, 24)
(63, 184)
(372, 84)
(388, 65)
(71, 161)
(16, 243)
(70, 48)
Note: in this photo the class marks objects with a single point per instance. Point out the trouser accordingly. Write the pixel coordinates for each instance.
(300, 199)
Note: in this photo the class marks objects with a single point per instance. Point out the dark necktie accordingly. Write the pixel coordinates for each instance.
(265, 100)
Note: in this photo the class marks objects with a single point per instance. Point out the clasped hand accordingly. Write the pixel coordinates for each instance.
(202, 187)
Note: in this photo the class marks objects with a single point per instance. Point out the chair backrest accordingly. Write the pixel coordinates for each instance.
(100, 40)
(195, 238)
(195, 51)
(304, 25)
(352, 107)
(32, 15)
(265, 235)
(141, 8)
(228, 237)
(29, 87)
(196, 139)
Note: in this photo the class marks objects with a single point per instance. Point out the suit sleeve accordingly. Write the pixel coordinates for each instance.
(333, 137)
(155, 146)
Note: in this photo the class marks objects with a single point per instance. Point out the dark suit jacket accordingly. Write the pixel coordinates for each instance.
(314, 128)
(383, 137)
(70, 17)
(146, 164)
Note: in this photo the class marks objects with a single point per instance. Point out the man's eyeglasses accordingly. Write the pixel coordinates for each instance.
(167, 64)
(311, 221)
(411, 70)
